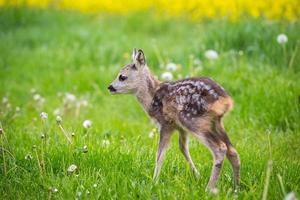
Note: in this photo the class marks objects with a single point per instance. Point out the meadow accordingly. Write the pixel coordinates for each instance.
(55, 62)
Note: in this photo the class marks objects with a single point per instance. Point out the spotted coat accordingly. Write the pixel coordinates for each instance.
(187, 99)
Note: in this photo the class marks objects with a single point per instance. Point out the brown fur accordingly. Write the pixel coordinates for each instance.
(195, 105)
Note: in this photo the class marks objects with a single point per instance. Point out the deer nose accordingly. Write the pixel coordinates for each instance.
(111, 88)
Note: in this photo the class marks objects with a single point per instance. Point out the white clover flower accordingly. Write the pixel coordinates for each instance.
(58, 119)
(282, 38)
(211, 54)
(105, 142)
(167, 76)
(72, 168)
(290, 196)
(37, 97)
(151, 134)
(87, 124)
(197, 61)
(95, 185)
(171, 67)
(44, 115)
(69, 98)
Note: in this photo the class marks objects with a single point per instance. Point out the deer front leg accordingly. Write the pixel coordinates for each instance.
(184, 147)
(165, 135)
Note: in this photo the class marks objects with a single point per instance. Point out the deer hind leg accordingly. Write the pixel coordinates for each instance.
(232, 154)
(203, 128)
(165, 136)
(184, 147)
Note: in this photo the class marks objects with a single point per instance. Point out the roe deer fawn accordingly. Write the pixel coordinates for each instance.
(195, 105)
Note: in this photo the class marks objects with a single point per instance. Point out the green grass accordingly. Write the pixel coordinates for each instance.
(57, 52)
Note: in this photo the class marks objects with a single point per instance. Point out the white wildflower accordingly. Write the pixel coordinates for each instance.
(105, 142)
(290, 196)
(95, 185)
(151, 134)
(84, 103)
(282, 38)
(171, 67)
(72, 134)
(72, 168)
(211, 54)
(42, 135)
(37, 97)
(58, 119)
(69, 98)
(54, 190)
(88, 192)
(87, 124)
(197, 61)
(4, 100)
(28, 157)
(85, 149)
(56, 112)
(167, 76)
(32, 90)
(44, 115)
(18, 109)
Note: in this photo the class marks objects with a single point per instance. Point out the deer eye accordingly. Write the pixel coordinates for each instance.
(122, 78)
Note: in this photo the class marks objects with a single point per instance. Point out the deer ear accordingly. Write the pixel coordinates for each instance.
(138, 57)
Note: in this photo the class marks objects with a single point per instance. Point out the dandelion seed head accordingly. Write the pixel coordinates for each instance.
(282, 38)
(167, 76)
(211, 54)
(58, 119)
(18, 109)
(69, 98)
(197, 61)
(290, 196)
(4, 100)
(151, 134)
(56, 112)
(32, 90)
(85, 149)
(171, 67)
(44, 115)
(105, 142)
(87, 124)
(37, 97)
(72, 168)
(28, 157)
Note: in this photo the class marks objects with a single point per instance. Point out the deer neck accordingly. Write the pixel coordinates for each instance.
(146, 91)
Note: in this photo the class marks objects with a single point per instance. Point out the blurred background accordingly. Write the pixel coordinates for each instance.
(57, 58)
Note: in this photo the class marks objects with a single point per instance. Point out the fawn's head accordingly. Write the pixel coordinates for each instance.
(131, 75)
